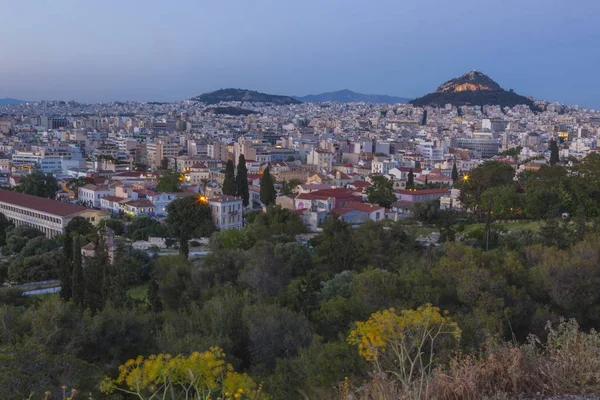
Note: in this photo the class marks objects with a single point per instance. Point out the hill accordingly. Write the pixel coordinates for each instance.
(8, 101)
(231, 111)
(473, 88)
(348, 96)
(243, 95)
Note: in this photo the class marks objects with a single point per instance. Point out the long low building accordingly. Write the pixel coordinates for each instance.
(49, 216)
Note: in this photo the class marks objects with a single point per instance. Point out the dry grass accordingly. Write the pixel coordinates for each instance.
(567, 364)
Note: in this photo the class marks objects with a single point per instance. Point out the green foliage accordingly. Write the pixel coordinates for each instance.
(143, 227)
(289, 187)
(187, 217)
(381, 192)
(514, 152)
(39, 184)
(116, 225)
(241, 181)
(336, 247)
(274, 332)
(229, 180)
(75, 183)
(78, 282)
(267, 188)
(169, 182)
(454, 173)
(487, 175)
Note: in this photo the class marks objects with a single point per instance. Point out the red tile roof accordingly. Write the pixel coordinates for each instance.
(325, 194)
(40, 204)
(364, 207)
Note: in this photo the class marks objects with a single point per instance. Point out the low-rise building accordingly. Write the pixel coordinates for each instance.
(49, 216)
(226, 212)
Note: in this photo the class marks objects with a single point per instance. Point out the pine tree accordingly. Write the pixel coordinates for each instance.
(454, 173)
(410, 181)
(94, 274)
(229, 181)
(66, 269)
(78, 280)
(554, 157)
(267, 188)
(241, 181)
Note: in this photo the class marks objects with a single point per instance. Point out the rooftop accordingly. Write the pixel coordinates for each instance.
(40, 204)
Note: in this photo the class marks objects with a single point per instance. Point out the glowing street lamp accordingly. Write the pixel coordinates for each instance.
(203, 199)
(466, 178)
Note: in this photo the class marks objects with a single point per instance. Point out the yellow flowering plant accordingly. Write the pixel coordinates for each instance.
(405, 343)
(198, 376)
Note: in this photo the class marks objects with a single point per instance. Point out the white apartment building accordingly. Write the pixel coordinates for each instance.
(226, 212)
(91, 194)
(382, 166)
(322, 159)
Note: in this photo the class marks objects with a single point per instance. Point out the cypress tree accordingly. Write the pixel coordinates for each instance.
(229, 181)
(426, 180)
(454, 173)
(78, 287)
(267, 188)
(554, 157)
(94, 275)
(241, 181)
(66, 269)
(410, 181)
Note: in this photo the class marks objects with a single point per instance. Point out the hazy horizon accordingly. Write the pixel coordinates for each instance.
(151, 51)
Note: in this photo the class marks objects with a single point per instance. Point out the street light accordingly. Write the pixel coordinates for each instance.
(466, 178)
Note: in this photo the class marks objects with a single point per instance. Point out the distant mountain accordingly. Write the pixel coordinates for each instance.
(474, 88)
(348, 96)
(8, 101)
(244, 95)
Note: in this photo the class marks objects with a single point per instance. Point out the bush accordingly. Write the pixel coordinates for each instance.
(568, 363)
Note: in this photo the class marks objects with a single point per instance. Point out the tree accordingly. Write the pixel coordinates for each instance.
(275, 332)
(39, 184)
(485, 176)
(289, 187)
(78, 283)
(164, 164)
(188, 217)
(94, 277)
(169, 182)
(381, 192)
(336, 246)
(241, 181)
(554, 156)
(267, 188)
(75, 183)
(454, 173)
(5, 224)
(410, 180)
(154, 296)
(229, 181)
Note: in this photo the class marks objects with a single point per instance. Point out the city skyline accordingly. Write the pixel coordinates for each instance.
(143, 51)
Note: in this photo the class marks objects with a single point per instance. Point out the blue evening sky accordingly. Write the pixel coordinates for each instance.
(100, 50)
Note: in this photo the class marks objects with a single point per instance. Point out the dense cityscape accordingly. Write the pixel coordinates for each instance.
(241, 245)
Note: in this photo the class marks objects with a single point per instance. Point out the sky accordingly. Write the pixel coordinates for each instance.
(159, 50)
